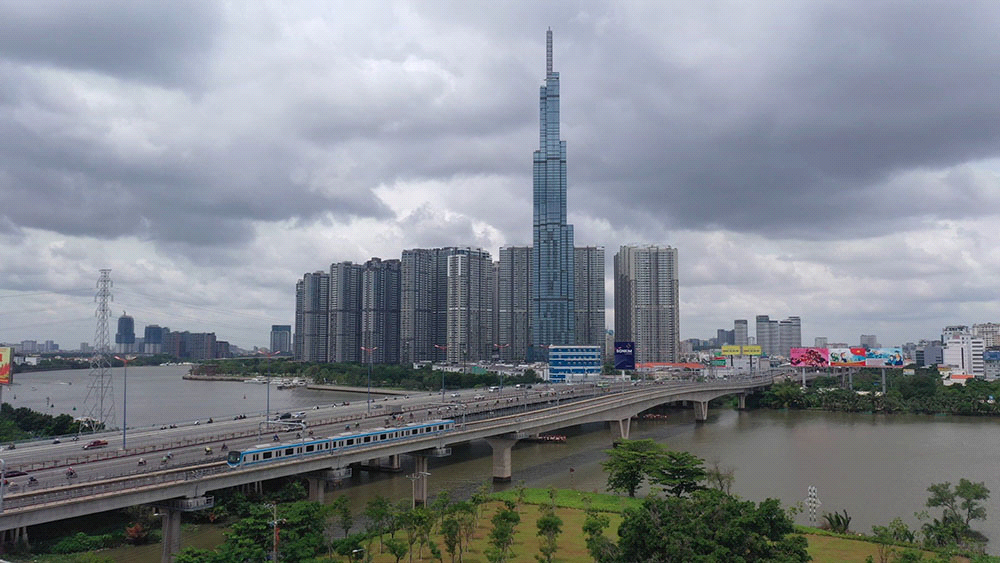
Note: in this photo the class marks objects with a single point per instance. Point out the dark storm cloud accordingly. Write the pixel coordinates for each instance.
(159, 42)
(790, 132)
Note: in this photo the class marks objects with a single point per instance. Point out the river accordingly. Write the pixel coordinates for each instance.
(876, 467)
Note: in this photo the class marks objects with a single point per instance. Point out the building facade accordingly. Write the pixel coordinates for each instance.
(647, 308)
(281, 339)
(125, 337)
(513, 325)
(552, 288)
(989, 332)
(470, 306)
(964, 354)
(312, 302)
(740, 333)
(573, 364)
(589, 301)
(379, 312)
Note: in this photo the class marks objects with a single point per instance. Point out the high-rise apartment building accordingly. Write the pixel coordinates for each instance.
(343, 321)
(989, 332)
(552, 288)
(789, 335)
(424, 304)
(281, 339)
(513, 311)
(763, 334)
(820, 342)
(380, 313)
(964, 353)
(125, 337)
(647, 309)
(470, 305)
(740, 334)
(589, 303)
(152, 342)
(312, 302)
(869, 341)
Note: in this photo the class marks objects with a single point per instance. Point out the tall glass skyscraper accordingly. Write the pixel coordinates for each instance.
(552, 292)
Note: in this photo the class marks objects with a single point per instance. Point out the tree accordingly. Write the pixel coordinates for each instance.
(720, 477)
(379, 513)
(341, 508)
(502, 534)
(549, 527)
(680, 473)
(599, 547)
(451, 533)
(397, 548)
(708, 526)
(961, 506)
(629, 463)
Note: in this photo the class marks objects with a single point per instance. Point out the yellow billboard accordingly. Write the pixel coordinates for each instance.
(731, 350)
(752, 351)
(5, 356)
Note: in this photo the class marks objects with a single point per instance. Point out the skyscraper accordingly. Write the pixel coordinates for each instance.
(552, 289)
(424, 304)
(312, 302)
(125, 337)
(589, 299)
(344, 314)
(470, 305)
(740, 336)
(380, 309)
(513, 303)
(647, 309)
(281, 339)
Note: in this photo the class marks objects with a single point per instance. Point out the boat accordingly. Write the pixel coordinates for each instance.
(257, 379)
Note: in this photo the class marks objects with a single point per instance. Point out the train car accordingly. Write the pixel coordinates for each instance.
(267, 453)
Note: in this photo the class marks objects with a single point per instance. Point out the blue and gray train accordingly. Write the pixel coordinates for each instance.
(345, 441)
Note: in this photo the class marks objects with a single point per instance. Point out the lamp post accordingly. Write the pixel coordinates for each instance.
(440, 347)
(267, 381)
(124, 360)
(371, 358)
(500, 347)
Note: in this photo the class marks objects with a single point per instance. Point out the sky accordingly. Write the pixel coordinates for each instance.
(833, 160)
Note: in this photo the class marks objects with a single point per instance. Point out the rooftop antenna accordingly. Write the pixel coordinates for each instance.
(100, 402)
(548, 51)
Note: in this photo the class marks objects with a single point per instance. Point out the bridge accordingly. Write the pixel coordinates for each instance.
(112, 479)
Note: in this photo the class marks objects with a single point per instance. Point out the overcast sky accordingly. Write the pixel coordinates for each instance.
(832, 160)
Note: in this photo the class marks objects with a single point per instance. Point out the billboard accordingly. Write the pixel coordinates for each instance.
(5, 371)
(730, 350)
(624, 355)
(719, 361)
(752, 351)
(810, 357)
(843, 357)
(884, 357)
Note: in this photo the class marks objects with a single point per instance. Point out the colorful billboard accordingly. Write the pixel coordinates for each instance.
(884, 357)
(844, 357)
(730, 350)
(719, 361)
(624, 355)
(5, 371)
(810, 357)
(752, 351)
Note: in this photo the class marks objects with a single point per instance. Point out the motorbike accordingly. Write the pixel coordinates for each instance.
(70, 473)
(142, 461)
(208, 450)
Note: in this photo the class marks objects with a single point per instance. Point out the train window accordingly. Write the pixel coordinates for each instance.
(290, 451)
(350, 442)
(255, 457)
(383, 437)
(267, 455)
(309, 448)
(368, 439)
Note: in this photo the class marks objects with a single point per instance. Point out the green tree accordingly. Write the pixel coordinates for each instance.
(549, 527)
(379, 512)
(600, 548)
(397, 548)
(680, 473)
(341, 508)
(961, 506)
(628, 464)
(708, 526)
(451, 533)
(501, 536)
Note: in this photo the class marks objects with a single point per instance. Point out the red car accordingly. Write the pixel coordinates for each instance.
(96, 444)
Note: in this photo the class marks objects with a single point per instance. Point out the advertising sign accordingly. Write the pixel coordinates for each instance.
(624, 355)
(752, 351)
(842, 357)
(730, 350)
(810, 357)
(5, 371)
(884, 357)
(719, 361)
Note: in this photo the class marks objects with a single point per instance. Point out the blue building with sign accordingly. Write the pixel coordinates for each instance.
(573, 364)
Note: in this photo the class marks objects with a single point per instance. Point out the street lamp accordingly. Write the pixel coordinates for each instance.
(124, 360)
(371, 358)
(440, 347)
(417, 476)
(500, 347)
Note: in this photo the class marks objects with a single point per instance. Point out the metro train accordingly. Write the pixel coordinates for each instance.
(267, 453)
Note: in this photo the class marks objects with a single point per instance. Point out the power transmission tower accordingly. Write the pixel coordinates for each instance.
(100, 401)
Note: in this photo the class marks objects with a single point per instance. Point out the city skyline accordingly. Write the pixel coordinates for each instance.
(825, 162)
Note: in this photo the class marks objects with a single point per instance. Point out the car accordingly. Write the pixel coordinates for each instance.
(13, 473)
(285, 415)
(456, 394)
(479, 397)
(95, 444)
(300, 414)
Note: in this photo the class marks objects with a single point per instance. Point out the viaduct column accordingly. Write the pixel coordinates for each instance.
(700, 410)
(419, 479)
(501, 458)
(742, 397)
(171, 519)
